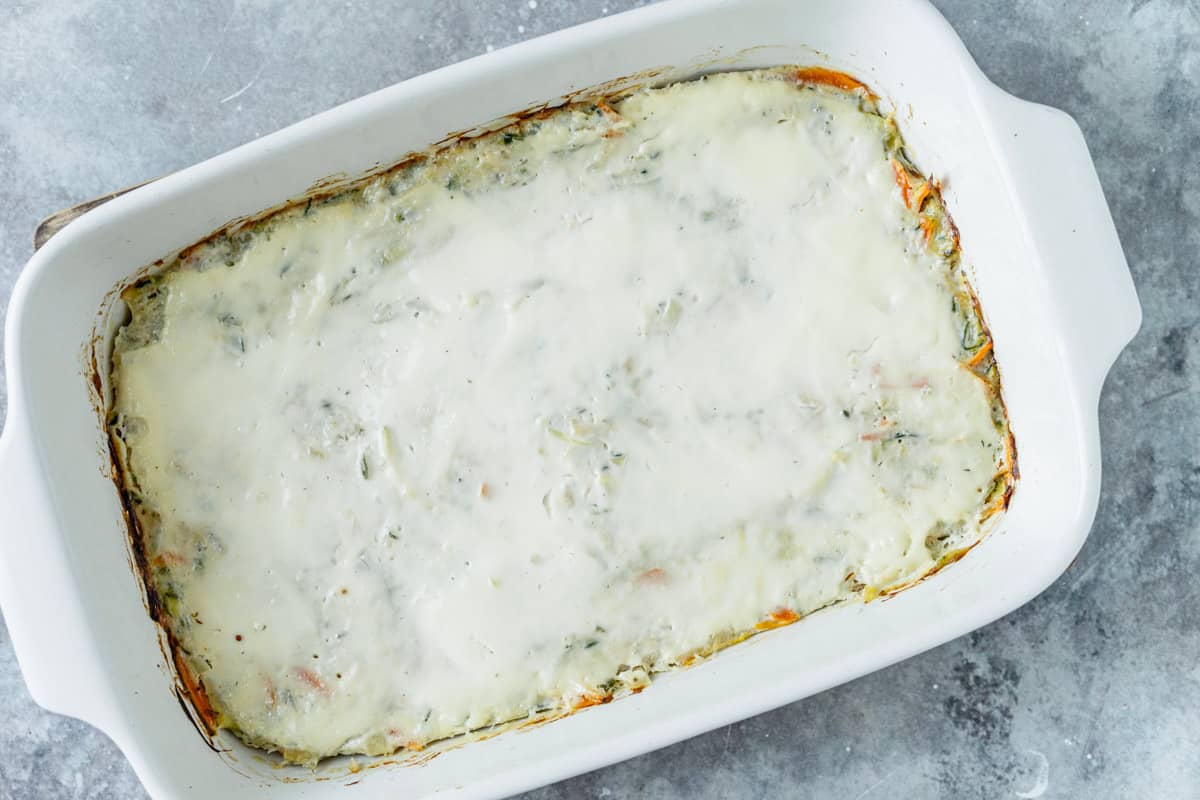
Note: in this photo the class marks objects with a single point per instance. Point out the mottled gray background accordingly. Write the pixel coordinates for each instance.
(1100, 675)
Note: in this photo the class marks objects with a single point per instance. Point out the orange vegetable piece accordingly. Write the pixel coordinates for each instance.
(830, 77)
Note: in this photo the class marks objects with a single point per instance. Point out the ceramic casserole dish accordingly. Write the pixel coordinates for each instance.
(1038, 242)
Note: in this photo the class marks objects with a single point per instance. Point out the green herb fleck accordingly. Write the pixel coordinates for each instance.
(340, 293)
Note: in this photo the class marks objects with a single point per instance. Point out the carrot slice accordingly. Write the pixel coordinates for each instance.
(927, 226)
(923, 194)
(777, 619)
(608, 111)
(830, 77)
(587, 700)
(168, 558)
(195, 692)
(980, 354)
(657, 576)
(903, 181)
(310, 677)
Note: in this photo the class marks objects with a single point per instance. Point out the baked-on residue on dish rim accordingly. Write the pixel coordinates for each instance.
(919, 194)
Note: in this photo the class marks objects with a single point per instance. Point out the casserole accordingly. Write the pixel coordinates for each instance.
(389, 491)
(1047, 266)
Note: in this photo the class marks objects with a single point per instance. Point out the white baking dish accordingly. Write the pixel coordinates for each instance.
(1048, 267)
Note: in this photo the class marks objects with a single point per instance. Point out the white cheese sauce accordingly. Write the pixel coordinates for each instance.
(520, 424)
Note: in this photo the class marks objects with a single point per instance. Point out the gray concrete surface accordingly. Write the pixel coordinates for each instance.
(1099, 676)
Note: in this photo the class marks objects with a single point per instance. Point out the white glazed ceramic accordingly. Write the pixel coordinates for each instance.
(1048, 268)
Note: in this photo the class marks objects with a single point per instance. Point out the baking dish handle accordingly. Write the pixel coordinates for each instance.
(48, 631)
(1057, 189)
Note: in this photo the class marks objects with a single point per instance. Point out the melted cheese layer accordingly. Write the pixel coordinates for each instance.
(531, 419)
